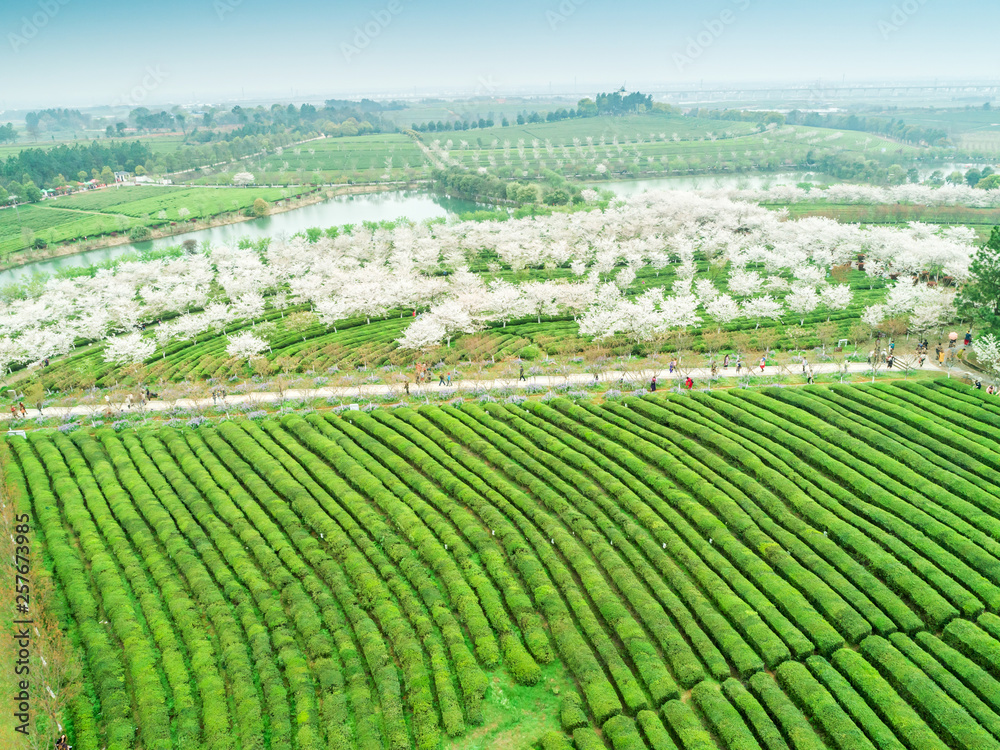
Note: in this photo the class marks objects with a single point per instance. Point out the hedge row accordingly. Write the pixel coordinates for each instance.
(750, 610)
(105, 661)
(724, 720)
(883, 609)
(229, 605)
(580, 494)
(451, 499)
(903, 568)
(435, 509)
(879, 498)
(536, 562)
(118, 602)
(372, 479)
(537, 503)
(949, 509)
(934, 705)
(892, 709)
(855, 706)
(188, 625)
(631, 508)
(294, 570)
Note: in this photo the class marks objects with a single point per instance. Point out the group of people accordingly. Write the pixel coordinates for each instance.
(18, 409)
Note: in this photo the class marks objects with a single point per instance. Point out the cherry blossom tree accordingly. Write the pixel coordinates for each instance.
(724, 309)
(836, 297)
(245, 345)
(762, 308)
(987, 349)
(424, 333)
(130, 349)
(802, 300)
(243, 179)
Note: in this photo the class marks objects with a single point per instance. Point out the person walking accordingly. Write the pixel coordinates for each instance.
(449, 377)
(968, 338)
(24, 412)
(440, 379)
(689, 383)
(406, 387)
(810, 377)
(890, 361)
(763, 361)
(13, 411)
(725, 362)
(739, 365)
(520, 375)
(715, 371)
(652, 384)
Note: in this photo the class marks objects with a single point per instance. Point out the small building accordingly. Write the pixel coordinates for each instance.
(122, 177)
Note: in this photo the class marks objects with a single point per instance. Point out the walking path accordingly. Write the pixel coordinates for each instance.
(624, 381)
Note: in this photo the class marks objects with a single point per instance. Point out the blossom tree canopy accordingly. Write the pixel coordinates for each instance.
(129, 349)
(245, 345)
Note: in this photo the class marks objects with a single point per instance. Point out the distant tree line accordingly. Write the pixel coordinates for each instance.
(52, 166)
(55, 119)
(891, 128)
(614, 103)
(554, 190)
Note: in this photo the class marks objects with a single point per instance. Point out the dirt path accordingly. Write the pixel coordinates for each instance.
(623, 381)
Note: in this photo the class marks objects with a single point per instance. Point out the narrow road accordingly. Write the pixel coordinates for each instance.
(620, 380)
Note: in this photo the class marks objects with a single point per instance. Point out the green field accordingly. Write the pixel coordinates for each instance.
(100, 212)
(54, 225)
(801, 568)
(358, 158)
(654, 144)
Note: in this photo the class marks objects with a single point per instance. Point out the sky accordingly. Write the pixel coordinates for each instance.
(82, 53)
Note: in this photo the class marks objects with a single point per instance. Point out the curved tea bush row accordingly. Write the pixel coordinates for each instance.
(434, 506)
(118, 602)
(470, 677)
(734, 570)
(766, 506)
(104, 497)
(539, 568)
(694, 614)
(288, 571)
(807, 585)
(104, 659)
(579, 494)
(617, 620)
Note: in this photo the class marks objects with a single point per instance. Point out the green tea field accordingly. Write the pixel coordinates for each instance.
(749, 569)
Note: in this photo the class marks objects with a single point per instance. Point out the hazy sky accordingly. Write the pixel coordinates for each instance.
(88, 52)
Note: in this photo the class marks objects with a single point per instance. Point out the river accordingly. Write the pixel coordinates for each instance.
(414, 205)
(344, 209)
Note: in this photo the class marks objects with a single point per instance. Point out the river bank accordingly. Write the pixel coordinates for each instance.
(320, 194)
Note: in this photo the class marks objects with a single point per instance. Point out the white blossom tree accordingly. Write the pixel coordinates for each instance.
(836, 297)
(243, 179)
(724, 310)
(130, 349)
(987, 349)
(802, 300)
(245, 345)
